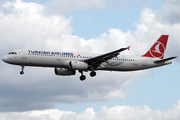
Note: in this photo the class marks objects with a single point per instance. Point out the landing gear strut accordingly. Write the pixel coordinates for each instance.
(22, 68)
(93, 73)
(82, 77)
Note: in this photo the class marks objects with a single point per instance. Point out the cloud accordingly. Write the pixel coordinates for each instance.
(170, 12)
(113, 113)
(26, 26)
(62, 6)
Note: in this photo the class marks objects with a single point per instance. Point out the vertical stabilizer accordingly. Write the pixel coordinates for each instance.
(158, 49)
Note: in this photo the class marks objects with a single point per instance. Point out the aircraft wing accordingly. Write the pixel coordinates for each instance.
(96, 61)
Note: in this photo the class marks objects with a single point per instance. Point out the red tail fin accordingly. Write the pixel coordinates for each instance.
(158, 49)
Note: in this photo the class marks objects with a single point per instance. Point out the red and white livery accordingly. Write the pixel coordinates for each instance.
(67, 63)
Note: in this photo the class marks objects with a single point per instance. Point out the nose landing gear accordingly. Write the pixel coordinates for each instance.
(22, 68)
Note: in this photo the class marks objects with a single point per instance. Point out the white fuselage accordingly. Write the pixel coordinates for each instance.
(62, 59)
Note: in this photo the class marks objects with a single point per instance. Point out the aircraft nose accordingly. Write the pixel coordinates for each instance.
(4, 58)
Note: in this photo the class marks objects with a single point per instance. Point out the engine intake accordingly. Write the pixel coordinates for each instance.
(64, 71)
(78, 65)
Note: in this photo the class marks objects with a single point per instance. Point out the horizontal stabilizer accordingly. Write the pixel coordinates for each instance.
(164, 60)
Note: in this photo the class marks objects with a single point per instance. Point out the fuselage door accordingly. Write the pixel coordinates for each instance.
(58, 57)
(24, 54)
(144, 62)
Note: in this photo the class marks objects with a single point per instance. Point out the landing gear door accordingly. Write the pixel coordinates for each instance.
(24, 54)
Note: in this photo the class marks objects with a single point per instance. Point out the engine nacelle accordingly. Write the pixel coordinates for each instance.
(78, 65)
(64, 71)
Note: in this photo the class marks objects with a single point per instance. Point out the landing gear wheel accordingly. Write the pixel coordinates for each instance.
(92, 74)
(82, 77)
(22, 72)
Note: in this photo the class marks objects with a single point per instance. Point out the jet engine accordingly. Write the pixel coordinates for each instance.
(78, 65)
(64, 71)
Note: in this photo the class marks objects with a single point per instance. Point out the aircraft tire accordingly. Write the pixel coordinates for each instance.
(92, 74)
(82, 77)
(22, 72)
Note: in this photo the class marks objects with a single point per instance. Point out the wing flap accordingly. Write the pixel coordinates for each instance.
(96, 61)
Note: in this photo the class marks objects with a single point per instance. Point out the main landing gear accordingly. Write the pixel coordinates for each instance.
(93, 73)
(83, 77)
(22, 68)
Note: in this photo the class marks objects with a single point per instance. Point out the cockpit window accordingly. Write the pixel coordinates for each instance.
(12, 53)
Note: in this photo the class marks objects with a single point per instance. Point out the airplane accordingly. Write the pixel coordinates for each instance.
(67, 63)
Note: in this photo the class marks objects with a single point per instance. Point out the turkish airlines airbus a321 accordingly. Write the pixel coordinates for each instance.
(67, 63)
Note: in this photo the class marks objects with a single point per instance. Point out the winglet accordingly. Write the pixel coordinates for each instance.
(128, 48)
